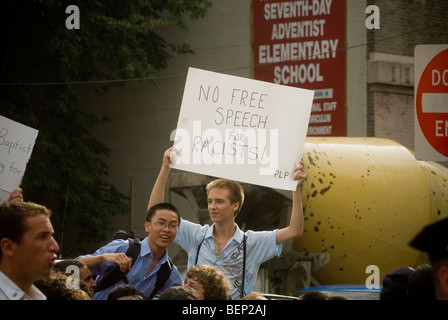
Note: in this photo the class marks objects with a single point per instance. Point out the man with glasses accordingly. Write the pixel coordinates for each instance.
(161, 224)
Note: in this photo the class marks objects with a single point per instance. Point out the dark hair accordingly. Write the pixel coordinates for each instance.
(63, 264)
(161, 206)
(12, 218)
(395, 284)
(421, 284)
(313, 295)
(179, 293)
(124, 290)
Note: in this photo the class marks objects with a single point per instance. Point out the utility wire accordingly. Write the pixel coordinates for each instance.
(183, 74)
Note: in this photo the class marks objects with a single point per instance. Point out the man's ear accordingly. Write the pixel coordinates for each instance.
(442, 276)
(147, 224)
(8, 247)
(236, 206)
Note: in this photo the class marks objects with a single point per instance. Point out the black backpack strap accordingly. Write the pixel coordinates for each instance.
(162, 276)
(199, 248)
(244, 261)
(244, 266)
(115, 274)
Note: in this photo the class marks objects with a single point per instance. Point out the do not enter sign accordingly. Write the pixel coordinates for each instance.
(431, 102)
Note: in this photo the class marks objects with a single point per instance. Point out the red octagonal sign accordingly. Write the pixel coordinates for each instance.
(432, 102)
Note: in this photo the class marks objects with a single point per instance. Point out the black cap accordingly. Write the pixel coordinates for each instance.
(395, 284)
(433, 239)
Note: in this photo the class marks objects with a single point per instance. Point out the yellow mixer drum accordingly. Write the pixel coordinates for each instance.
(364, 200)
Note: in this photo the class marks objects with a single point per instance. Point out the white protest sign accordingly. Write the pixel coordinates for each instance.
(16, 145)
(241, 129)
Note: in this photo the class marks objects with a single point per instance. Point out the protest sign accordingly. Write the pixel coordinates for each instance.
(241, 129)
(16, 145)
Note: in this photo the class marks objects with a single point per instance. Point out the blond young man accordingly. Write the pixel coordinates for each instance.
(223, 243)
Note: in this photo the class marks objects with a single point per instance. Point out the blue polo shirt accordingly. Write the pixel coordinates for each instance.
(136, 276)
(260, 247)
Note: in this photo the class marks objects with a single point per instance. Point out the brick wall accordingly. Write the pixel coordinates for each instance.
(406, 23)
(403, 25)
(393, 117)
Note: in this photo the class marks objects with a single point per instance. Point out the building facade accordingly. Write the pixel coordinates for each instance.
(378, 85)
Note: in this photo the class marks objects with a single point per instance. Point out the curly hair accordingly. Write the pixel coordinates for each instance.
(54, 287)
(216, 285)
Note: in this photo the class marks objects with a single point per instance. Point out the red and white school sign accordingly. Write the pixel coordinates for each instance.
(431, 102)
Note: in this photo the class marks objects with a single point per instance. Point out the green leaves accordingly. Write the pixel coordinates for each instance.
(43, 70)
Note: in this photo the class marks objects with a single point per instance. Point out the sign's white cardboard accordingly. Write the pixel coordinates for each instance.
(16, 145)
(241, 129)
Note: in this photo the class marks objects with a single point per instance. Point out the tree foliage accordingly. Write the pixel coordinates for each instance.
(44, 65)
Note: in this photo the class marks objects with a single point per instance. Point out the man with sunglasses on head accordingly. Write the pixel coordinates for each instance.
(161, 224)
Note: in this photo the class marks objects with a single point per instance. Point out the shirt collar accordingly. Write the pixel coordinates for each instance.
(146, 249)
(237, 236)
(13, 292)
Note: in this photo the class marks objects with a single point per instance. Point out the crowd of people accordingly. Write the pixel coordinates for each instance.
(223, 261)
(29, 269)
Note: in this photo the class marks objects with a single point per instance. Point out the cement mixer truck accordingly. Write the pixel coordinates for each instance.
(364, 200)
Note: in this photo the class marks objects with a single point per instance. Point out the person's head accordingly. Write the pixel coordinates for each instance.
(125, 292)
(179, 293)
(433, 239)
(421, 284)
(209, 282)
(224, 194)
(440, 273)
(57, 286)
(336, 298)
(395, 284)
(313, 295)
(86, 289)
(82, 293)
(254, 296)
(162, 222)
(27, 247)
(77, 268)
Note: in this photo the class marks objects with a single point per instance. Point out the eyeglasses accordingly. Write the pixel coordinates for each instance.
(161, 225)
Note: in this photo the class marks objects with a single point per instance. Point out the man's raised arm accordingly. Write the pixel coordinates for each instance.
(158, 191)
(295, 228)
